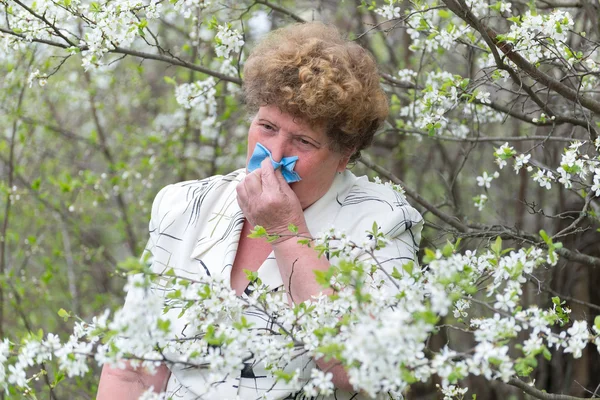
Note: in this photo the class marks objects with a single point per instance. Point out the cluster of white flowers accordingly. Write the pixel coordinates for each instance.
(407, 75)
(479, 8)
(430, 31)
(437, 109)
(191, 8)
(536, 36)
(390, 10)
(199, 94)
(200, 98)
(228, 41)
(544, 178)
(378, 334)
(520, 161)
(428, 112)
(504, 7)
(452, 392)
(575, 168)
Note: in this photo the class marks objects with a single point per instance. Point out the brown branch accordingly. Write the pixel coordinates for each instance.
(398, 83)
(549, 5)
(178, 62)
(484, 138)
(282, 10)
(450, 220)
(582, 215)
(135, 53)
(532, 391)
(480, 230)
(569, 298)
(556, 121)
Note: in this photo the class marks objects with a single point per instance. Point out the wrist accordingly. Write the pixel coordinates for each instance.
(287, 235)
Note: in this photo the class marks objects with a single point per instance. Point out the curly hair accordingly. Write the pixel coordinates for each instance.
(310, 71)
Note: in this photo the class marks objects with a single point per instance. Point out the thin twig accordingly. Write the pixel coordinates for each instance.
(282, 10)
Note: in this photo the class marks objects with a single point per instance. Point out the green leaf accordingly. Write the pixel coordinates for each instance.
(293, 228)
(546, 238)
(516, 20)
(64, 314)
(163, 324)
(597, 322)
(170, 80)
(251, 275)
(35, 185)
(448, 249)
(429, 256)
(305, 242)
(58, 377)
(258, 232)
(497, 246)
(556, 301)
(444, 14)
(408, 267)
(547, 354)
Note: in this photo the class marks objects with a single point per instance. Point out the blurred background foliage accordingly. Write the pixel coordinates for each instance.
(83, 152)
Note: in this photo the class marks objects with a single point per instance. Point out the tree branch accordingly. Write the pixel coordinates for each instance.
(450, 220)
(178, 62)
(148, 56)
(282, 10)
(532, 391)
(485, 138)
(480, 230)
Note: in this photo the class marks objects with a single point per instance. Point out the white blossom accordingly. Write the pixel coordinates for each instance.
(228, 41)
(389, 11)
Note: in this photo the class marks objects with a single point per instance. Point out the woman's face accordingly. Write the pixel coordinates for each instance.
(286, 136)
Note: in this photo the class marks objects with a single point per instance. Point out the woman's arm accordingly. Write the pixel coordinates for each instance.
(129, 383)
(267, 200)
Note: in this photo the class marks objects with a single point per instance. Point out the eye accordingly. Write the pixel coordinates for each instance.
(268, 127)
(304, 143)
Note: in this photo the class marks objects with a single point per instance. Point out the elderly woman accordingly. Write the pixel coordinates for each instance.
(317, 102)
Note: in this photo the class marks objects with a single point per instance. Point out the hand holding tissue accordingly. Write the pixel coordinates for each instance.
(286, 164)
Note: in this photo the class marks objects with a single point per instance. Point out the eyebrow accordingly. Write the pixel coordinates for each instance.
(292, 133)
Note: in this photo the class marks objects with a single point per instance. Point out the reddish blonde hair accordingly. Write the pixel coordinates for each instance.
(310, 71)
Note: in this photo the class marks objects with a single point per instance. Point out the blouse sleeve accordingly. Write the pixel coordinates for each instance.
(401, 224)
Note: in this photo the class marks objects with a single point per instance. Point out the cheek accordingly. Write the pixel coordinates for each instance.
(251, 143)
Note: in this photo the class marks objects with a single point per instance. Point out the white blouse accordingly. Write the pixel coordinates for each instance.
(195, 229)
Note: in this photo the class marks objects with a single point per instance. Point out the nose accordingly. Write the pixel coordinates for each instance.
(278, 147)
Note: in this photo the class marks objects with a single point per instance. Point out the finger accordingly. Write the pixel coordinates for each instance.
(280, 178)
(242, 195)
(269, 173)
(254, 186)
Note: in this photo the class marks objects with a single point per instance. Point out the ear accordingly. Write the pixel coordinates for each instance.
(344, 160)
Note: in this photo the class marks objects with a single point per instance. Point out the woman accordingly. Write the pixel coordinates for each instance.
(316, 97)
